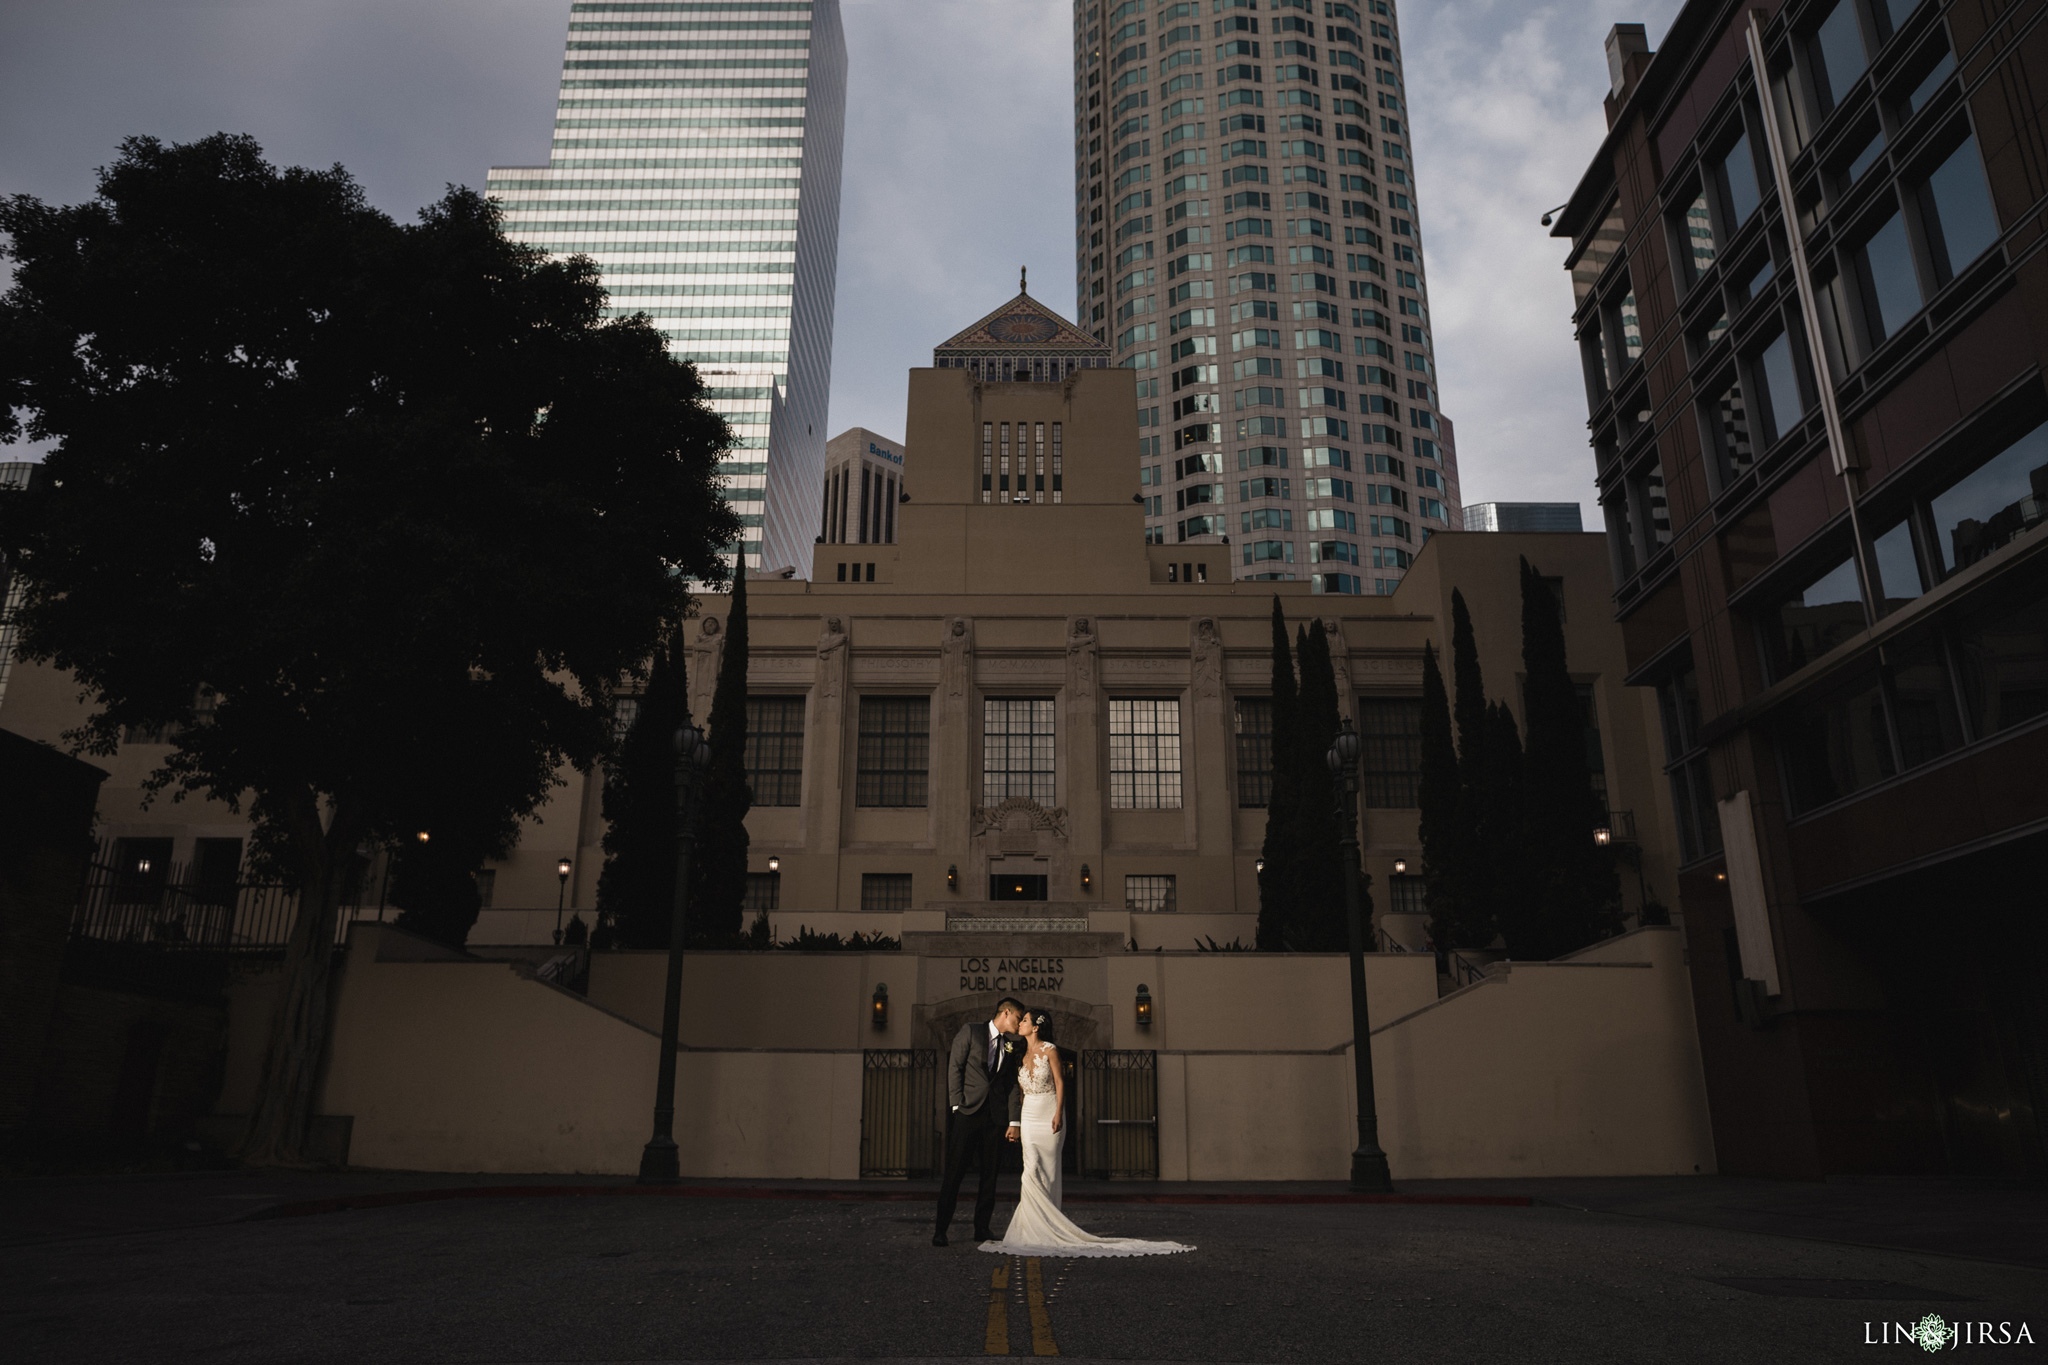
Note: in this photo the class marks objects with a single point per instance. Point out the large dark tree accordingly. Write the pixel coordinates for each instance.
(1448, 853)
(718, 871)
(399, 494)
(636, 890)
(1320, 923)
(1276, 879)
(1573, 896)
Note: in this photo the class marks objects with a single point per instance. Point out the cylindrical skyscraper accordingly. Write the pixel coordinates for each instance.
(1247, 242)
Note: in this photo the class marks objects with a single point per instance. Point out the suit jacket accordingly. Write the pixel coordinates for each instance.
(969, 1084)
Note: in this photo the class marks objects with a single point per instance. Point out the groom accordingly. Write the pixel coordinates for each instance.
(981, 1085)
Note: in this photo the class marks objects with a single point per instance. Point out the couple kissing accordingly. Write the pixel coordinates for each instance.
(1004, 1083)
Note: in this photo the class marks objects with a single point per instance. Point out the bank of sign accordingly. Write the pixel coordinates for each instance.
(1012, 973)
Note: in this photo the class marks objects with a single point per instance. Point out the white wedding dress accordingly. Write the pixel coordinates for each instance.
(1038, 1228)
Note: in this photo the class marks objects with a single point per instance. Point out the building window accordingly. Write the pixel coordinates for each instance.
(1956, 210)
(625, 711)
(894, 751)
(1596, 754)
(1777, 374)
(1254, 751)
(1144, 753)
(1685, 763)
(1391, 728)
(1017, 749)
(1149, 893)
(884, 891)
(775, 750)
(764, 892)
(1404, 896)
(1805, 624)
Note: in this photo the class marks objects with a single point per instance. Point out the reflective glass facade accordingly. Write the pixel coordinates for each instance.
(696, 159)
(1246, 240)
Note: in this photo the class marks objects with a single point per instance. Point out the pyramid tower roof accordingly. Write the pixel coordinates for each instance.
(1021, 327)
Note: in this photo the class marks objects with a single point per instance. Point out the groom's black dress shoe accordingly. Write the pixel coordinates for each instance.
(983, 1235)
(939, 1239)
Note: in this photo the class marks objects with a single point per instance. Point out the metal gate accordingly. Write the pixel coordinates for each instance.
(899, 1112)
(1120, 1115)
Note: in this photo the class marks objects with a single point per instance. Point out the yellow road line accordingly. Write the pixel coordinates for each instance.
(1042, 1343)
(998, 1340)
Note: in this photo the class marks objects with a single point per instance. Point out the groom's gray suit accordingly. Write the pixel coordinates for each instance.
(984, 1101)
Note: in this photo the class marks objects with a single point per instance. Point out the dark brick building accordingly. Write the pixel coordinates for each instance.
(1812, 302)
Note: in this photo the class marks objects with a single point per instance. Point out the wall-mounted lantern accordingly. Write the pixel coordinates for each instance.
(953, 877)
(422, 836)
(1144, 1006)
(774, 863)
(1603, 836)
(1259, 865)
(1087, 877)
(1400, 866)
(879, 1008)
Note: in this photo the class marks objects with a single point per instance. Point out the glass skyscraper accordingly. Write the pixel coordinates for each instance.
(696, 159)
(1247, 241)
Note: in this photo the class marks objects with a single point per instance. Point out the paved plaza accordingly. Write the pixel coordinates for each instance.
(262, 1267)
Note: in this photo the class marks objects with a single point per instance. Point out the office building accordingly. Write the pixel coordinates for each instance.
(1812, 322)
(1247, 242)
(1523, 516)
(864, 481)
(696, 159)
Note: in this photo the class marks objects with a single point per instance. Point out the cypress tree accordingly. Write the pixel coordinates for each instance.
(718, 871)
(1574, 895)
(1276, 883)
(636, 890)
(1320, 922)
(1467, 883)
(1469, 707)
(1446, 851)
(1498, 884)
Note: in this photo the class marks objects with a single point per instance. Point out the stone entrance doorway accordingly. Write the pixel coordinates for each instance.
(1017, 887)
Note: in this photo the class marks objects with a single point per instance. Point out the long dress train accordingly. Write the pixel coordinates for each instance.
(1038, 1228)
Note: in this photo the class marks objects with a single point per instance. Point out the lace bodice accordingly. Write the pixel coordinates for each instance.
(1035, 1078)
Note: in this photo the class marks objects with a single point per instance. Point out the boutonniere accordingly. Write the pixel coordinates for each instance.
(1009, 1047)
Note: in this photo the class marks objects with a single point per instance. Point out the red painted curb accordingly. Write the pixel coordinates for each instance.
(389, 1198)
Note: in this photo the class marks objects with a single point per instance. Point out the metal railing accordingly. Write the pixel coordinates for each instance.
(165, 906)
(1461, 969)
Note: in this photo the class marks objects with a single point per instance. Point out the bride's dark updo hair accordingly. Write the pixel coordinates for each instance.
(1042, 1021)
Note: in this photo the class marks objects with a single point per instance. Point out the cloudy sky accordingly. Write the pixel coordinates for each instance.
(957, 162)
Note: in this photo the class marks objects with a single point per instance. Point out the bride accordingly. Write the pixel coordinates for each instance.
(1038, 1228)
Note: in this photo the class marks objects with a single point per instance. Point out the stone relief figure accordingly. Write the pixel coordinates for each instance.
(832, 658)
(704, 654)
(956, 655)
(1081, 645)
(1018, 814)
(1340, 659)
(1207, 658)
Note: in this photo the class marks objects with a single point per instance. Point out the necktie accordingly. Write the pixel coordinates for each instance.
(994, 1051)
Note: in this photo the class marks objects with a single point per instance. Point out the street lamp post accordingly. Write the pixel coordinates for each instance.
(561, 891)
(659, 1164)
(1368, 1161)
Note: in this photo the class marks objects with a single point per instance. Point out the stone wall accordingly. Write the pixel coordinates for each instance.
(1584, 1066)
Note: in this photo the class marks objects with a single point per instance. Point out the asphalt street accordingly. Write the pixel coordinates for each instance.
(179, 1271)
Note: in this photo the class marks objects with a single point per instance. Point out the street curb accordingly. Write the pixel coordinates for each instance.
(390, 1198)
